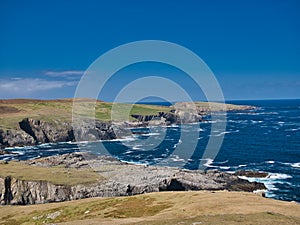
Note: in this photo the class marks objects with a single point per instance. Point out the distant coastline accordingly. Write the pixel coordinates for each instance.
(31, 121)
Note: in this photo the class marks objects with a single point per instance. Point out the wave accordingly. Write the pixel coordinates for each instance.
(278, 176)
(256, 121)
(223, 133)
(176, 158)
(209, 162)
(137, 147)
(178, 143)
(293, 129)
(270, 181)
(295, 165)
(150, 134)
(224, 167)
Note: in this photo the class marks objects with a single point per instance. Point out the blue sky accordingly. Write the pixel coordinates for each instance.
(252, 47)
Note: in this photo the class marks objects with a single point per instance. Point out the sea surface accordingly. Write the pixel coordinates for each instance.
(265, 139)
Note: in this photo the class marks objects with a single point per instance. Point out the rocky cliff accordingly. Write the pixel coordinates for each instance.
(33, 132)
(117, 179)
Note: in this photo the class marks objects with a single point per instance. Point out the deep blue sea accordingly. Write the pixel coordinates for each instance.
(265, 139)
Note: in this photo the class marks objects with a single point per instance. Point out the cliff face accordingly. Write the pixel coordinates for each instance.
(33, 132)
(119, 179)
(20, 192)
(10, 138)
(43, 132)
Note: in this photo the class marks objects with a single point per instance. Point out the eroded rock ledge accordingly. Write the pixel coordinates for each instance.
(117, 179)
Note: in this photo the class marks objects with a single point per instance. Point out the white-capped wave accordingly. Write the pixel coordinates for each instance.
(295, 165)
(242, 165)
(225, 167)
(176, 158)
(18, 152)
(178, 143)
(128, 152)
(256, 121)
(270, 180)
(137, 147)
(278, 176)
(209, 162)
(293, 129)
(151, 134)
(222, 133)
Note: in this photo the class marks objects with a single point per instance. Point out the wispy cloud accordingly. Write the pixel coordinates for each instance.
(31, 85)
(65, 73)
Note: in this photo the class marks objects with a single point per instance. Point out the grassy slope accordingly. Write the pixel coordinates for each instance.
(56, 175)
(13, 111)
(160, 208)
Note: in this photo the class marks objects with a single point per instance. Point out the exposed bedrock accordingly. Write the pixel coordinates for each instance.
(44, 132)
(33, 132)
(168, 118)
(118, 179)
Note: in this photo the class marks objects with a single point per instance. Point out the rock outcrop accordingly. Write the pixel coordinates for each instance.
(249, 173)
(92, 131)
(32, 132)
(45, 132)
(10, 138)
(168, 118)
(120, 179)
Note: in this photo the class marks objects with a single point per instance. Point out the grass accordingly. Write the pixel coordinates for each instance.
(119, 207)
(167, 208)
(53, 110)
(56, 175)
(14, 110)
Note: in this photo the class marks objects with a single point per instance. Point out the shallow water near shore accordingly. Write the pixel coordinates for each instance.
(265, 139)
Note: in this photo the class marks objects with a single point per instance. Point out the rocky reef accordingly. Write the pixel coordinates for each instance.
(115, 179)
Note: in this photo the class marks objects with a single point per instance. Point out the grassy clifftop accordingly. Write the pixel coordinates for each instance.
(202, 207)
(14, 110)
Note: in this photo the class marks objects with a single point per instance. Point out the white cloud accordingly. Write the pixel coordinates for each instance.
(31, 85)
(65, 73)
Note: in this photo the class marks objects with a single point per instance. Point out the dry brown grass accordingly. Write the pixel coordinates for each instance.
(160, 208)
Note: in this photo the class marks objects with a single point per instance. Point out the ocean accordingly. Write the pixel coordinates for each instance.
(265, 139)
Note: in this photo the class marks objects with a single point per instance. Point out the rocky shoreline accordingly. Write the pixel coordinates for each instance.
(31, 131)
(116, 178)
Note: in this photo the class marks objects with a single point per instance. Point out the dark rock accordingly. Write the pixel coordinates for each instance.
(93, 131)
(248, 173)
(4, 152)
(244, 185)
(10, 138)
(44, 132)
(175, 185)
(36, 131)
(7, 193)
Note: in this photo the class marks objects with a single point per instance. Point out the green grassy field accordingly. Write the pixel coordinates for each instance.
(13, 111)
